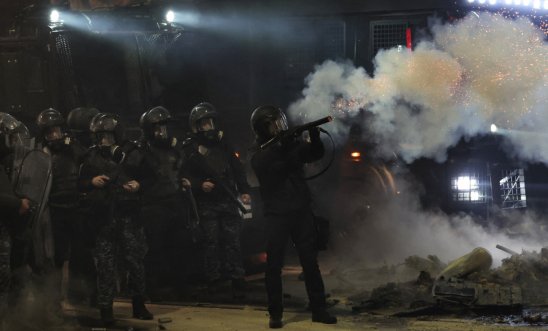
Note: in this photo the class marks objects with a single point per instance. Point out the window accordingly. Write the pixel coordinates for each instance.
(512, 188)
(387, 34)
(468, 187)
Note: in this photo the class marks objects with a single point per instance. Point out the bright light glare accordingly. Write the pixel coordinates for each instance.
(170, 16)
(545, 4)
(492, 2)
(465, 183)
(355, 155)
(517, 2)
(526, 2)
(474, 196)
(508, 2)
(536, 4)
(54, 16)
(494, 128)
(470, 1)
(481, 1)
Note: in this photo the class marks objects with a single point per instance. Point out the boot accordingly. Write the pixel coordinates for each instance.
(139, 310)
(107, 316)
(275, 322)
(322, 316)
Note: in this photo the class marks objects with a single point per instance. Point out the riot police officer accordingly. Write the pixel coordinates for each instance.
(164, 207)
(11, 206)
(217, 178)
(113, 193)
(66, 155)
(81, 265)
(286, 199)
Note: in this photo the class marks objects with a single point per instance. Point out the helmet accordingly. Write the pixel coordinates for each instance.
(199, 112)
(106, 128)
(48, 118)
(154, 125)
(79, 119)
(268, 121)
(49, 122)
(13, 133)
(156, 115)
(104, 122)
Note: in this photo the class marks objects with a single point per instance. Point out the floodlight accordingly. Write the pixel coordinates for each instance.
(170, 16)
(54, 16)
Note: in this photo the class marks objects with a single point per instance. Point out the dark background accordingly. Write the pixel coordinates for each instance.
(242, 54)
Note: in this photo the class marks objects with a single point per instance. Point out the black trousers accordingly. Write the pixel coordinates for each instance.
(74, 240)
(164, 225)
(300, 228)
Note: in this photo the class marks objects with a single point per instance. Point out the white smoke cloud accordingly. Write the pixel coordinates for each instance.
(399, 227)
(484, 69)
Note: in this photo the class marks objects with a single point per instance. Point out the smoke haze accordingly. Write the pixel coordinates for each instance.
(398, 227)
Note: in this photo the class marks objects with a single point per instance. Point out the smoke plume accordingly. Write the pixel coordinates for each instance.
(484, 69)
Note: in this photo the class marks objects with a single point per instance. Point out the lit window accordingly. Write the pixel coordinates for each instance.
(467, 188)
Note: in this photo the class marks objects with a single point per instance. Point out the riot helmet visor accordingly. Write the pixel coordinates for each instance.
(277, 126)
(105, 138)
(53, 133)
(206, 124)
(160, 132)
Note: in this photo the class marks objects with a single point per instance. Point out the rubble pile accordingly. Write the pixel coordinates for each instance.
(529, 271)
(468, 282)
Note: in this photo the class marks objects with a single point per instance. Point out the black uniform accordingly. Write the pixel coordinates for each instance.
(286, 198)
(219, 217)
(163, 215)
(72, 239)
(116, 225)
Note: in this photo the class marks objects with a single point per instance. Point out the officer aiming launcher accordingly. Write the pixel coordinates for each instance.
(284, 133)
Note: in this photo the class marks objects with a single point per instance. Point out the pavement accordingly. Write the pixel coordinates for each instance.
(215, 309)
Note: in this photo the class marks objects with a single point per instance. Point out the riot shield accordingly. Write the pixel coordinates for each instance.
(32, 180)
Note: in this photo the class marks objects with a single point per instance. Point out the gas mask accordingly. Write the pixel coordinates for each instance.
(54, 138)
(105, 139)
(53, 133)
(161, 136)
(160, 132)
(207, 129)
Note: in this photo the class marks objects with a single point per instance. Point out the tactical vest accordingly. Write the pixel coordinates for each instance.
(164, 182)
(65, 169)
(112, 196)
